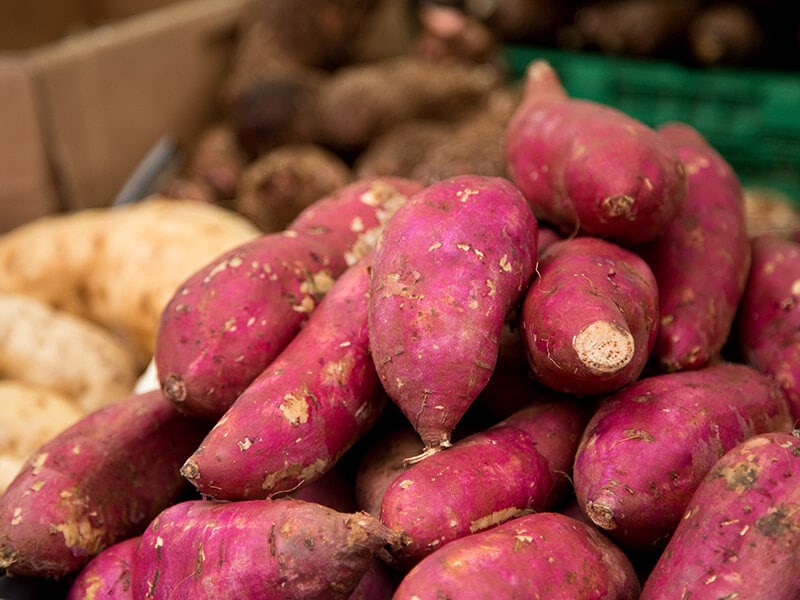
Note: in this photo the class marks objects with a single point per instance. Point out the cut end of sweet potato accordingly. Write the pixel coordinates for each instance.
(190, 470)
(604, 347)
(601, 514)
(174, 388)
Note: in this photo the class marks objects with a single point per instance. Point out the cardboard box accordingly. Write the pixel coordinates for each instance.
(89, 86)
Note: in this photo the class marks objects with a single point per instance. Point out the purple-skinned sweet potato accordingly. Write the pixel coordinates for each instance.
(107, 575)
(739, 535)
(541, 555)
(767, 326)
(588, 167)
(98, 482)
(708, 235)
(519, 465)
(256, 549)
(448, 268)
(308, 407)
(229, 320)
(590, 319)
(647, 447)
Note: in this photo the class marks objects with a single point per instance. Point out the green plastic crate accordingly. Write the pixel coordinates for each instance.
(751, 117)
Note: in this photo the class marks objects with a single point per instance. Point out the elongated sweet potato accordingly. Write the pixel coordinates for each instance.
(298, 417)
(708, 235)
(739, 535)
(229, 320)
(590, 319)
(101, 480)
(521, 464)
(449, 266)
(588, 167)
(542, 555)
(647, 447)
(768, 318)
(107, 575)
(255, 549)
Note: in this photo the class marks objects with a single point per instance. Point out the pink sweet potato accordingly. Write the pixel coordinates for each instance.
(588, 167)
(521, 464)
(590, 319)
(709, 235)
(542, 555)
(98, 482)
(299, 416)
(448, 268)
(231, 319)
(767, 326)
(647, 447)
(107, 575)
(739, 535)
(255, 549)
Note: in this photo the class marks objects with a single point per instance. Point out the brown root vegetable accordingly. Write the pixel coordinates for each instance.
(708, 235)
(542, 555)
(217, 160)
(590, 319)
(738, 537)
(256, 549)
(278, 185)
(361, 101)
(94, 484)
(587, 167)
(648, 446)
(727, 33)
(55, 349)
(448, 268)
(770, 211)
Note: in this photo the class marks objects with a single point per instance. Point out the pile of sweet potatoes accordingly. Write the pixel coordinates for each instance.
(576, 380)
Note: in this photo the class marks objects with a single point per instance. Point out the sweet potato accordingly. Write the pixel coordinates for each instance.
(590, 319)
(739, 535)
(542, 555)
(118, 267)
(448, 268)
(768, 319)
(708, 235)
(648, 446)
(585, 166)
(99, 481)
(521, 464)
(255, 549)
(69, 354)
(304, 411)
(107, 575)
(32, 415)
(230, 319)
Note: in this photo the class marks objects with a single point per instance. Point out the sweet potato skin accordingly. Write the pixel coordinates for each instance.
(588, 167)
(542, 555)
(647, 447)
(98, 482)
(448, 268)
(590, 319)
(519, 465)
(708, 235)
(739, 535)
(230, 319)
(768, 319)
(299, 416)
(107, 575)
(257, 549)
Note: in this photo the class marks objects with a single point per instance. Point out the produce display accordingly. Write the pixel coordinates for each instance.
(479, 340)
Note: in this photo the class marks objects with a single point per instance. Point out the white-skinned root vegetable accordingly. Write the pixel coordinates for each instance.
(256, 549)
(647, 447)
(590, 318)
(448, 268)
(97, 482)
(308, 407)
(227, 321)
(585, 166)
(739, 535)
